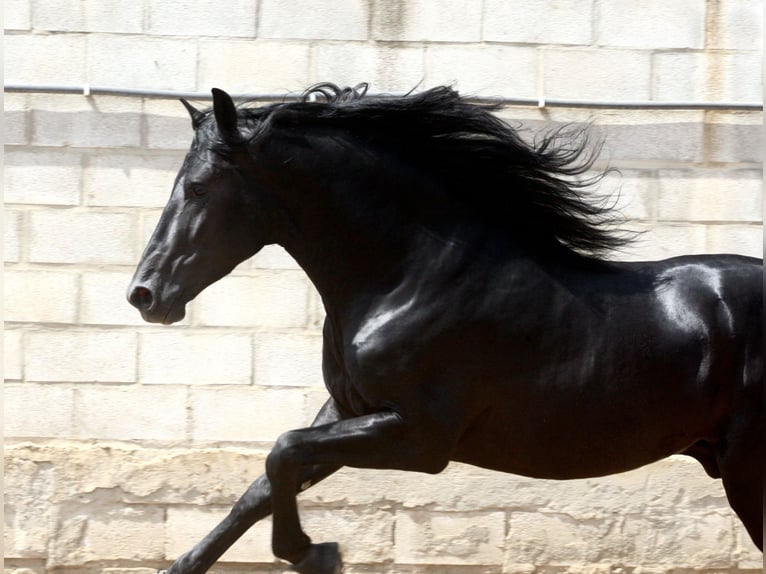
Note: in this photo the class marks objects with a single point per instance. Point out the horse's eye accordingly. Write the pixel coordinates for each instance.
(197, 190)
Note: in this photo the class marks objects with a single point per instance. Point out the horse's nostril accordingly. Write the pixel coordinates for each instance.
(141, 298)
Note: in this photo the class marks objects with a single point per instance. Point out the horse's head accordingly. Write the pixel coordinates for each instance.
(208, 226)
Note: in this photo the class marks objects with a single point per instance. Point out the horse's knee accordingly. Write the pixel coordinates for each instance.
(283, 455)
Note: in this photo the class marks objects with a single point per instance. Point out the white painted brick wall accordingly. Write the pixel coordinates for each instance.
(126, 442)
(246, 414)
(43, 177)
(63, 121)
(184, 359)
(399, 68)
(40, 296)
(300, 19)
(261, 66)
(130, 413)
(652, 24)
(597, 74)
(567, 22)
(424, 20)
(73, 356)
(268, 299)
(138, 62)
(236, 19)
(484, 69)
(69, 236)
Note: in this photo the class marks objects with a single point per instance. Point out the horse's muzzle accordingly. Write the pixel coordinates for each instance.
(141, 298)
(156, 309)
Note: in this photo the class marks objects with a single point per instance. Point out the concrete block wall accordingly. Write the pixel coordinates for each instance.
(126, 442)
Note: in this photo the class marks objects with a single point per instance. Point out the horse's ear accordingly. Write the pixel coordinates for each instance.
(226, 116)
(196, 115)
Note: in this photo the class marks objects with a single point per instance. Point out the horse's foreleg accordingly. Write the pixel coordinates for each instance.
(382, 440)
(252, 506)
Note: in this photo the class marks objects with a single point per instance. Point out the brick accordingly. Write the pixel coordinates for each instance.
(115, 16)
(28, 489)
(130, 413)
(675, 137)
(741, 239)
(168, 125)
(60, 16)
(221, 65)
(102, 356)
(15, 127)
(541, 538)
(651, 25)
(274, 257)
(129, 180)
(103, 121)
(449, 538)
(269, 299)
(104, 299)
(707, 76)
(40, 59)
(189, 358)
(601, 75)
(180, 476)
(704, 538)
(38, 411)
(386, 68)
(736, 25)
(15, 107)
(288, 360)
(238, 19)
(709, 195)
(299, 19)
(17, 15)
(246, 414)
(567, 22)
(125, 532)
(681, 480)
(421, 20)
(366, 536)
(734, 137)
(13, 369)
(459, 488)
(186, 526)
(142, 62)
(668, 240)
(89, 532)
(82, 237)
(40, 296)
(43, 177)
(634, 192)
(474, 70)
(12, 236)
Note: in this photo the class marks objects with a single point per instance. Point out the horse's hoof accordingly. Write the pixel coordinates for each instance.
(321, 559)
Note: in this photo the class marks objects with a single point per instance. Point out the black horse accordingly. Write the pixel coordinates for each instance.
(470, 312)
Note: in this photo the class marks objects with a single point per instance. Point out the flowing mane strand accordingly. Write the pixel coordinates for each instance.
(533, 190)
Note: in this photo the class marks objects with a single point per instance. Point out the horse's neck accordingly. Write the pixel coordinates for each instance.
(348, 239)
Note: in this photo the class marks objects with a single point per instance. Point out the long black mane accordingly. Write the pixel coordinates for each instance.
(536, 191)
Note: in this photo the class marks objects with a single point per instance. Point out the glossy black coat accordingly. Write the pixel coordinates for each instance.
(449, 337)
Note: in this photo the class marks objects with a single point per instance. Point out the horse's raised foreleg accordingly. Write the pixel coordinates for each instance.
(382, 440)
(252, 506)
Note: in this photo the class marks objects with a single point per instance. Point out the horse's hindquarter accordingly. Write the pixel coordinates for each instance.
(552, 372)
(623, 368)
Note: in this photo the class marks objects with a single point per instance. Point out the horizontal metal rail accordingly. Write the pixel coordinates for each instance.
(286, 97)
